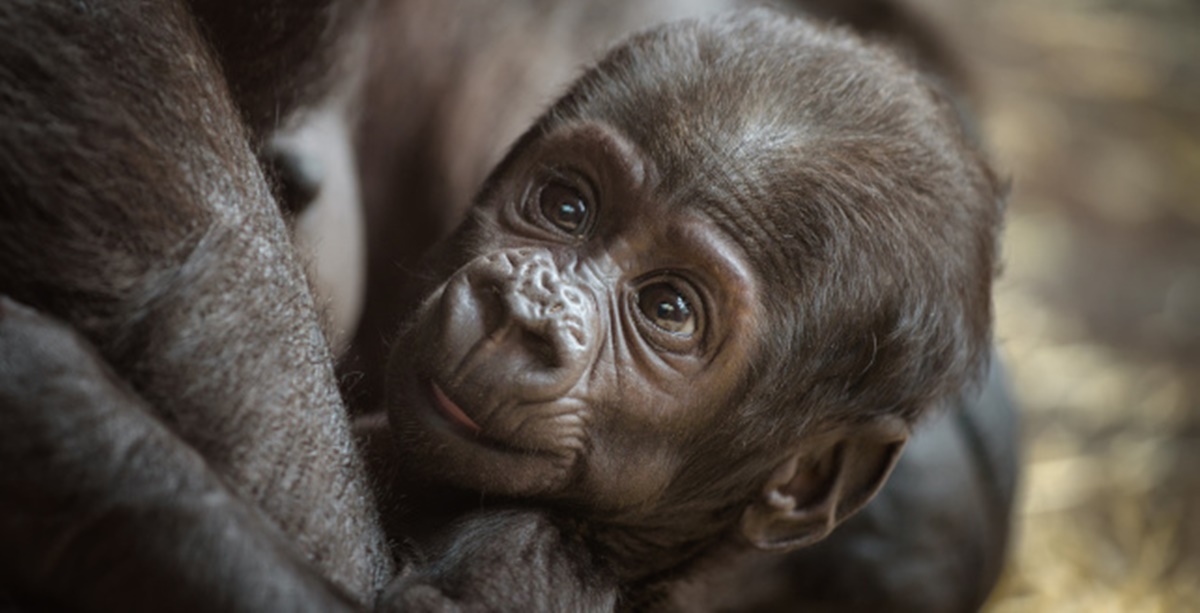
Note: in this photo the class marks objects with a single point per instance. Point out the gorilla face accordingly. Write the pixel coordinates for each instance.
(596, 327)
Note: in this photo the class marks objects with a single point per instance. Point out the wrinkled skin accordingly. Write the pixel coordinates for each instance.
(581, 360)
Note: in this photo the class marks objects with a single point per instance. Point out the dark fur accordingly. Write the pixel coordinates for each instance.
(279, 55)
(104, 508)
(513, 560)
(132, 208)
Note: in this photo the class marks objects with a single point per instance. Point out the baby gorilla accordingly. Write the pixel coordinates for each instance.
(703, 300)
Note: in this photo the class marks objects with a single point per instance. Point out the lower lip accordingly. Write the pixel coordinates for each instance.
(451, 410)
(454, 421)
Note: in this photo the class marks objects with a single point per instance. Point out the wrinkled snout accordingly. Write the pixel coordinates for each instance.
(513, 317)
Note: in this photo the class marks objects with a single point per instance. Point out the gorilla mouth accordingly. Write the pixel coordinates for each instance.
(445, 410)
(452, 411)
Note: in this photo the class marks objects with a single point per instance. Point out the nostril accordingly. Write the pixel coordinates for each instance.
(507, 319)
(541, 348)
(525, 309)
(546, 281)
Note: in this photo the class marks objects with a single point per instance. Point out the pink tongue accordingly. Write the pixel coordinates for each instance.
(452, 409)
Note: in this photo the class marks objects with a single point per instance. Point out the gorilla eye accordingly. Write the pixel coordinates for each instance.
(564, 208)
(666, 308)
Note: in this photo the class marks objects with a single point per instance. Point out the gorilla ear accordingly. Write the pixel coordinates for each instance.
(826, 481)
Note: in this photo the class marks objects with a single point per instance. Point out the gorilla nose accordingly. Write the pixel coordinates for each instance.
(536, 323)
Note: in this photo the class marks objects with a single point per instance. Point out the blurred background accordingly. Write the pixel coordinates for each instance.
(1092, 107)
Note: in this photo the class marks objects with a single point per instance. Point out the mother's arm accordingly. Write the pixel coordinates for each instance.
(132, 208)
